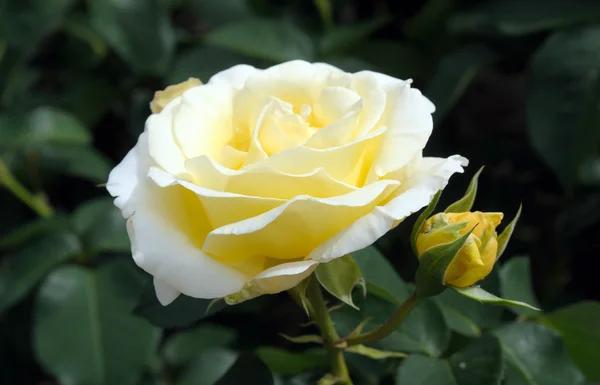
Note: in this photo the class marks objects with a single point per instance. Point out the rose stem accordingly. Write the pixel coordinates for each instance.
(384, 330)
(319, 313)
(36, 203)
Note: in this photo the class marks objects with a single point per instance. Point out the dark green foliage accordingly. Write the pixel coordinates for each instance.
(516, 84)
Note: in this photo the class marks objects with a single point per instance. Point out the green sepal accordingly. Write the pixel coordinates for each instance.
(421, 219)
(478, 294)
(373, 353)
(305, 339)
(298, 294)
(339, 277)
(504, 237)
(433, 264)
(465, 203)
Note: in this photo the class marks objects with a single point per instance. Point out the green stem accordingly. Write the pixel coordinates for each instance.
(320, 314)
(35, 202)
(384, 330)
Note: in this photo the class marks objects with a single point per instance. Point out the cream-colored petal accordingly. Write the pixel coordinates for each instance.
(412, 195)
(235, 76)
(274, 280)
(295, 228)
(408, 118)
(165, 293)
(162, 147)
(344, 163)
(333, 103)
(265, 182)
(283, 276)
(124, 178)
(202, 121)
(166, 232)
(221, 208)
(374, 102)
(337, 134)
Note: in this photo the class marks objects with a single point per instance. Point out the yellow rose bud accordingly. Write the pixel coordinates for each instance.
(475, 260)
(162, 98)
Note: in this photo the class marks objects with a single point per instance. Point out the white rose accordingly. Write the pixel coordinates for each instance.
(242, 186)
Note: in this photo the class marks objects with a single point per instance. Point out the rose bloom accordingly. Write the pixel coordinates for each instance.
(243, 185)
(476, 258)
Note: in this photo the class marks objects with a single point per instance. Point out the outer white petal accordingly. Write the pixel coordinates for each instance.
(124, 178)
(274, 280)
(162, 232)
(235, 76)
(413, 194)
(165, 292)
(283, 277)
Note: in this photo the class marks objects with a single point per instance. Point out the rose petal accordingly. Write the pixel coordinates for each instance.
(414, 194)
(202, 121)
(166, 232)
(235, 76)
(124, 178)
(265, 182)
(344, 163)
(220, 208)
(295, 228)
(283, 276)
(165, 293)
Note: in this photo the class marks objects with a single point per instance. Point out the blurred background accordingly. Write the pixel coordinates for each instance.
(516, 84)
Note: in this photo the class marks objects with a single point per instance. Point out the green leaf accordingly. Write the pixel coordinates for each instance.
(453, 76)
(465, 203)
(247, 370)
(421, 219)
(272, 40)
(478, 294)
(421, 370)
(57, 141)
(305, 339)
(373, 353)
(184, 311)
(379, 272)
(343, 38)
(208, 367)
(339, 277)
(31, 230)
(140, 31)
(538, 355)
(291, 363)
(520, 17)
(101, 226)
(213, 60)
(578, 326)
(81, 161)
(562, 113)
(24, 23)
(433, 264)
(423, 331)
(505, 236)
(81, 320)
(468, 317)
(298, 293)
(479, 363)
(225, 367)
(515, 278)
(21, 271)
(43, 126)
(181, 348)
(217, 12)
